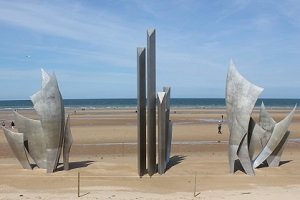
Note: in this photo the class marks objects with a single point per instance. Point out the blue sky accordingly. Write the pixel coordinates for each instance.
(91, 45)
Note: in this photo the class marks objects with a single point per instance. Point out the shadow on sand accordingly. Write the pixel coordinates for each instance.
(265, 164)
(175, 160)
(284, 162)
(239, 167)
(75, 165)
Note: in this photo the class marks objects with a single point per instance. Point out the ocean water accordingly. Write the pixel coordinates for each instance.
(131, 103)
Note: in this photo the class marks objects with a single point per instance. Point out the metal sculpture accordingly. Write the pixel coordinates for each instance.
(151, 102)
(280, 133)
(164, 124)
(164, 133)
(68, 141)
(43, 139)
(16, 142)
(241, 96)
(34, 138)
(246, 136)
(141, 110)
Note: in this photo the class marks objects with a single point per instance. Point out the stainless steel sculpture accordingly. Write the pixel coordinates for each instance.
(246, 136)
(16, 143)
(280, 133)
(49, 105)
(241, 96)
(267, 125)
(161, 104)
(168, 125)
(164, 133)
(259, 134)
(43, 139)
(34, 138)
(68, 141)
(141, 110)
(164, 123)
(151, 102)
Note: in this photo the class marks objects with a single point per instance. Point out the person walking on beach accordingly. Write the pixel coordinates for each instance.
(12, 124)
(219, 127)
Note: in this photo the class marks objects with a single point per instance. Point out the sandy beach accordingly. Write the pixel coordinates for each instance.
(104, 153)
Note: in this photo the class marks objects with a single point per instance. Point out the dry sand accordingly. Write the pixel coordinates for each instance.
(104, 152)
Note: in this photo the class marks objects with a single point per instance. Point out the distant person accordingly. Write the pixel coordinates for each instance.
(12, 124)
(222, 118)
(3, 123)
(219, 127)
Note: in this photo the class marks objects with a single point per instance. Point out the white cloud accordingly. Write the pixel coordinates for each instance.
(96, 44)
(59, 21)
(10, 74)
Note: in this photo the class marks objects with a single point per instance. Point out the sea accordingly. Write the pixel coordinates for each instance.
(216, 103)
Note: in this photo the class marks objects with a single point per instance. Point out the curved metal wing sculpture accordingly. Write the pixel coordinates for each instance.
(265, 120)
(49, 105)
(44, 138)
(247, 137)
(33, 137)
(278, 134)
(268, 123)
(68, 141)
(16, 143)
(241, 96)
(255, 136)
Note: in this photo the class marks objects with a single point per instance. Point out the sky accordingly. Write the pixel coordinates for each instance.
(92, 46)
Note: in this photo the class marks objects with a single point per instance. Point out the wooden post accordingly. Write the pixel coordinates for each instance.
(78, 189)
(195, 185)
(123, 149)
